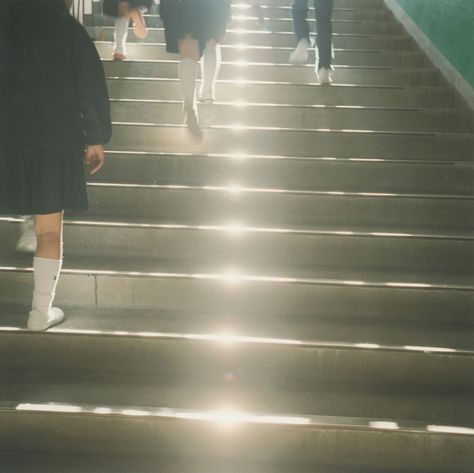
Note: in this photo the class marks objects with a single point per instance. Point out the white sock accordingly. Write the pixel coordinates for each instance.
(187, 77)
(120, 35)
(46, 275)
(210, 65)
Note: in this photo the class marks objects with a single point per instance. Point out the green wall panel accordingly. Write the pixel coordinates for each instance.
(449, 24)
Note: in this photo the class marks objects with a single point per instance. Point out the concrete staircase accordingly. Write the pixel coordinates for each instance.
(294, 294)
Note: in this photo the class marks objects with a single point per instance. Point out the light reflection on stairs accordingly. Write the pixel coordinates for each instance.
(294, 294)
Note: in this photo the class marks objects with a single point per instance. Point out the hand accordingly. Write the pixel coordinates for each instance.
(94, 158)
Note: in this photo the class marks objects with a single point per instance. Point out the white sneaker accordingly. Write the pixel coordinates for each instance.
(300, 54)
(39, 321)
(27, 240)
(207, 96)
(325, 76)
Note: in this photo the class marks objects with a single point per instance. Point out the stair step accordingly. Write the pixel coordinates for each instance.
(299, 117)
(148, 284)
(232, 53)
(102, 31)
(276, 25)
(324, 173)
(103, 384)
(231, 245)
(296, 94)
(347, 14)
(288, 439)
(229, 354)
(283, 73)
(281, 208)
(240, 140)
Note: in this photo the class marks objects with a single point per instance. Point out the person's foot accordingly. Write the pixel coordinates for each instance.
(139, 26)
(207, 96)
(191, 119)
(40, 321)
(325, 75)
(300, 54)
(119, 57)
(27, 240)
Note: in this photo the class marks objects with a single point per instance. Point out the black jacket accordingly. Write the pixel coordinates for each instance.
(53, 92)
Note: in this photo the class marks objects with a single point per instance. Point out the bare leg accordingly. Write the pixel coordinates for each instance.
(190, 54)
(49, 235)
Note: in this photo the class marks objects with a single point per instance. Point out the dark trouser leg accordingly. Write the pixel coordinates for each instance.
(323, 10)
(299, 10)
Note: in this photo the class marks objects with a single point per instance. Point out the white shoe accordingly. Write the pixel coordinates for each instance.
(207, 96)
(27, 240)
(39, 321)
(300, 54)
(325, 76)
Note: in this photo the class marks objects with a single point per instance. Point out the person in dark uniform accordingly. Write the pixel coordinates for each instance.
(194, 28)
(123, 11)
(323, 10)
(54, 117)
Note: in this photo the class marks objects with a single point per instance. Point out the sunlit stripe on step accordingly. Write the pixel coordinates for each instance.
(235, 188)
(231, 417)
(232, 277)
(227, 339)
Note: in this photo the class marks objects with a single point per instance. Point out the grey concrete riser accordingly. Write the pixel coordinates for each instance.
(446, 147)
(281, 300)
(296, 94)
(334, 399)
(298, 117)
(198, 248)
(273, 56)
(281, 209)
(297, 174)
(275, 40)
(251, 363)
(284, 73)
(195, 441)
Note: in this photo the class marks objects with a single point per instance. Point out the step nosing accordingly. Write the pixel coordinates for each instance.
(235, 189)
(231, 417)
(107, 222)
(359, 160)
(242, 340)
(246, 128)
(234, 278)
(250, 104)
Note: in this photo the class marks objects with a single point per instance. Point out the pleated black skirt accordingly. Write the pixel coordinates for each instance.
(35, 181)
(204, 20)
(111, 7)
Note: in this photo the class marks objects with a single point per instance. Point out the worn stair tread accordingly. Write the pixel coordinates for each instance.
(326, 332)
(88, 387)
(221, 226)
(235, 417)
(111, 267)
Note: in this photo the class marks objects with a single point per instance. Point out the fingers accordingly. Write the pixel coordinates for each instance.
(94, 158)
(96, 163)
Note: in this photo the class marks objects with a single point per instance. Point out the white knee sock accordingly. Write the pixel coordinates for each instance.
(46, 275)
(187, 77)
(120, 35)
(210, 65)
